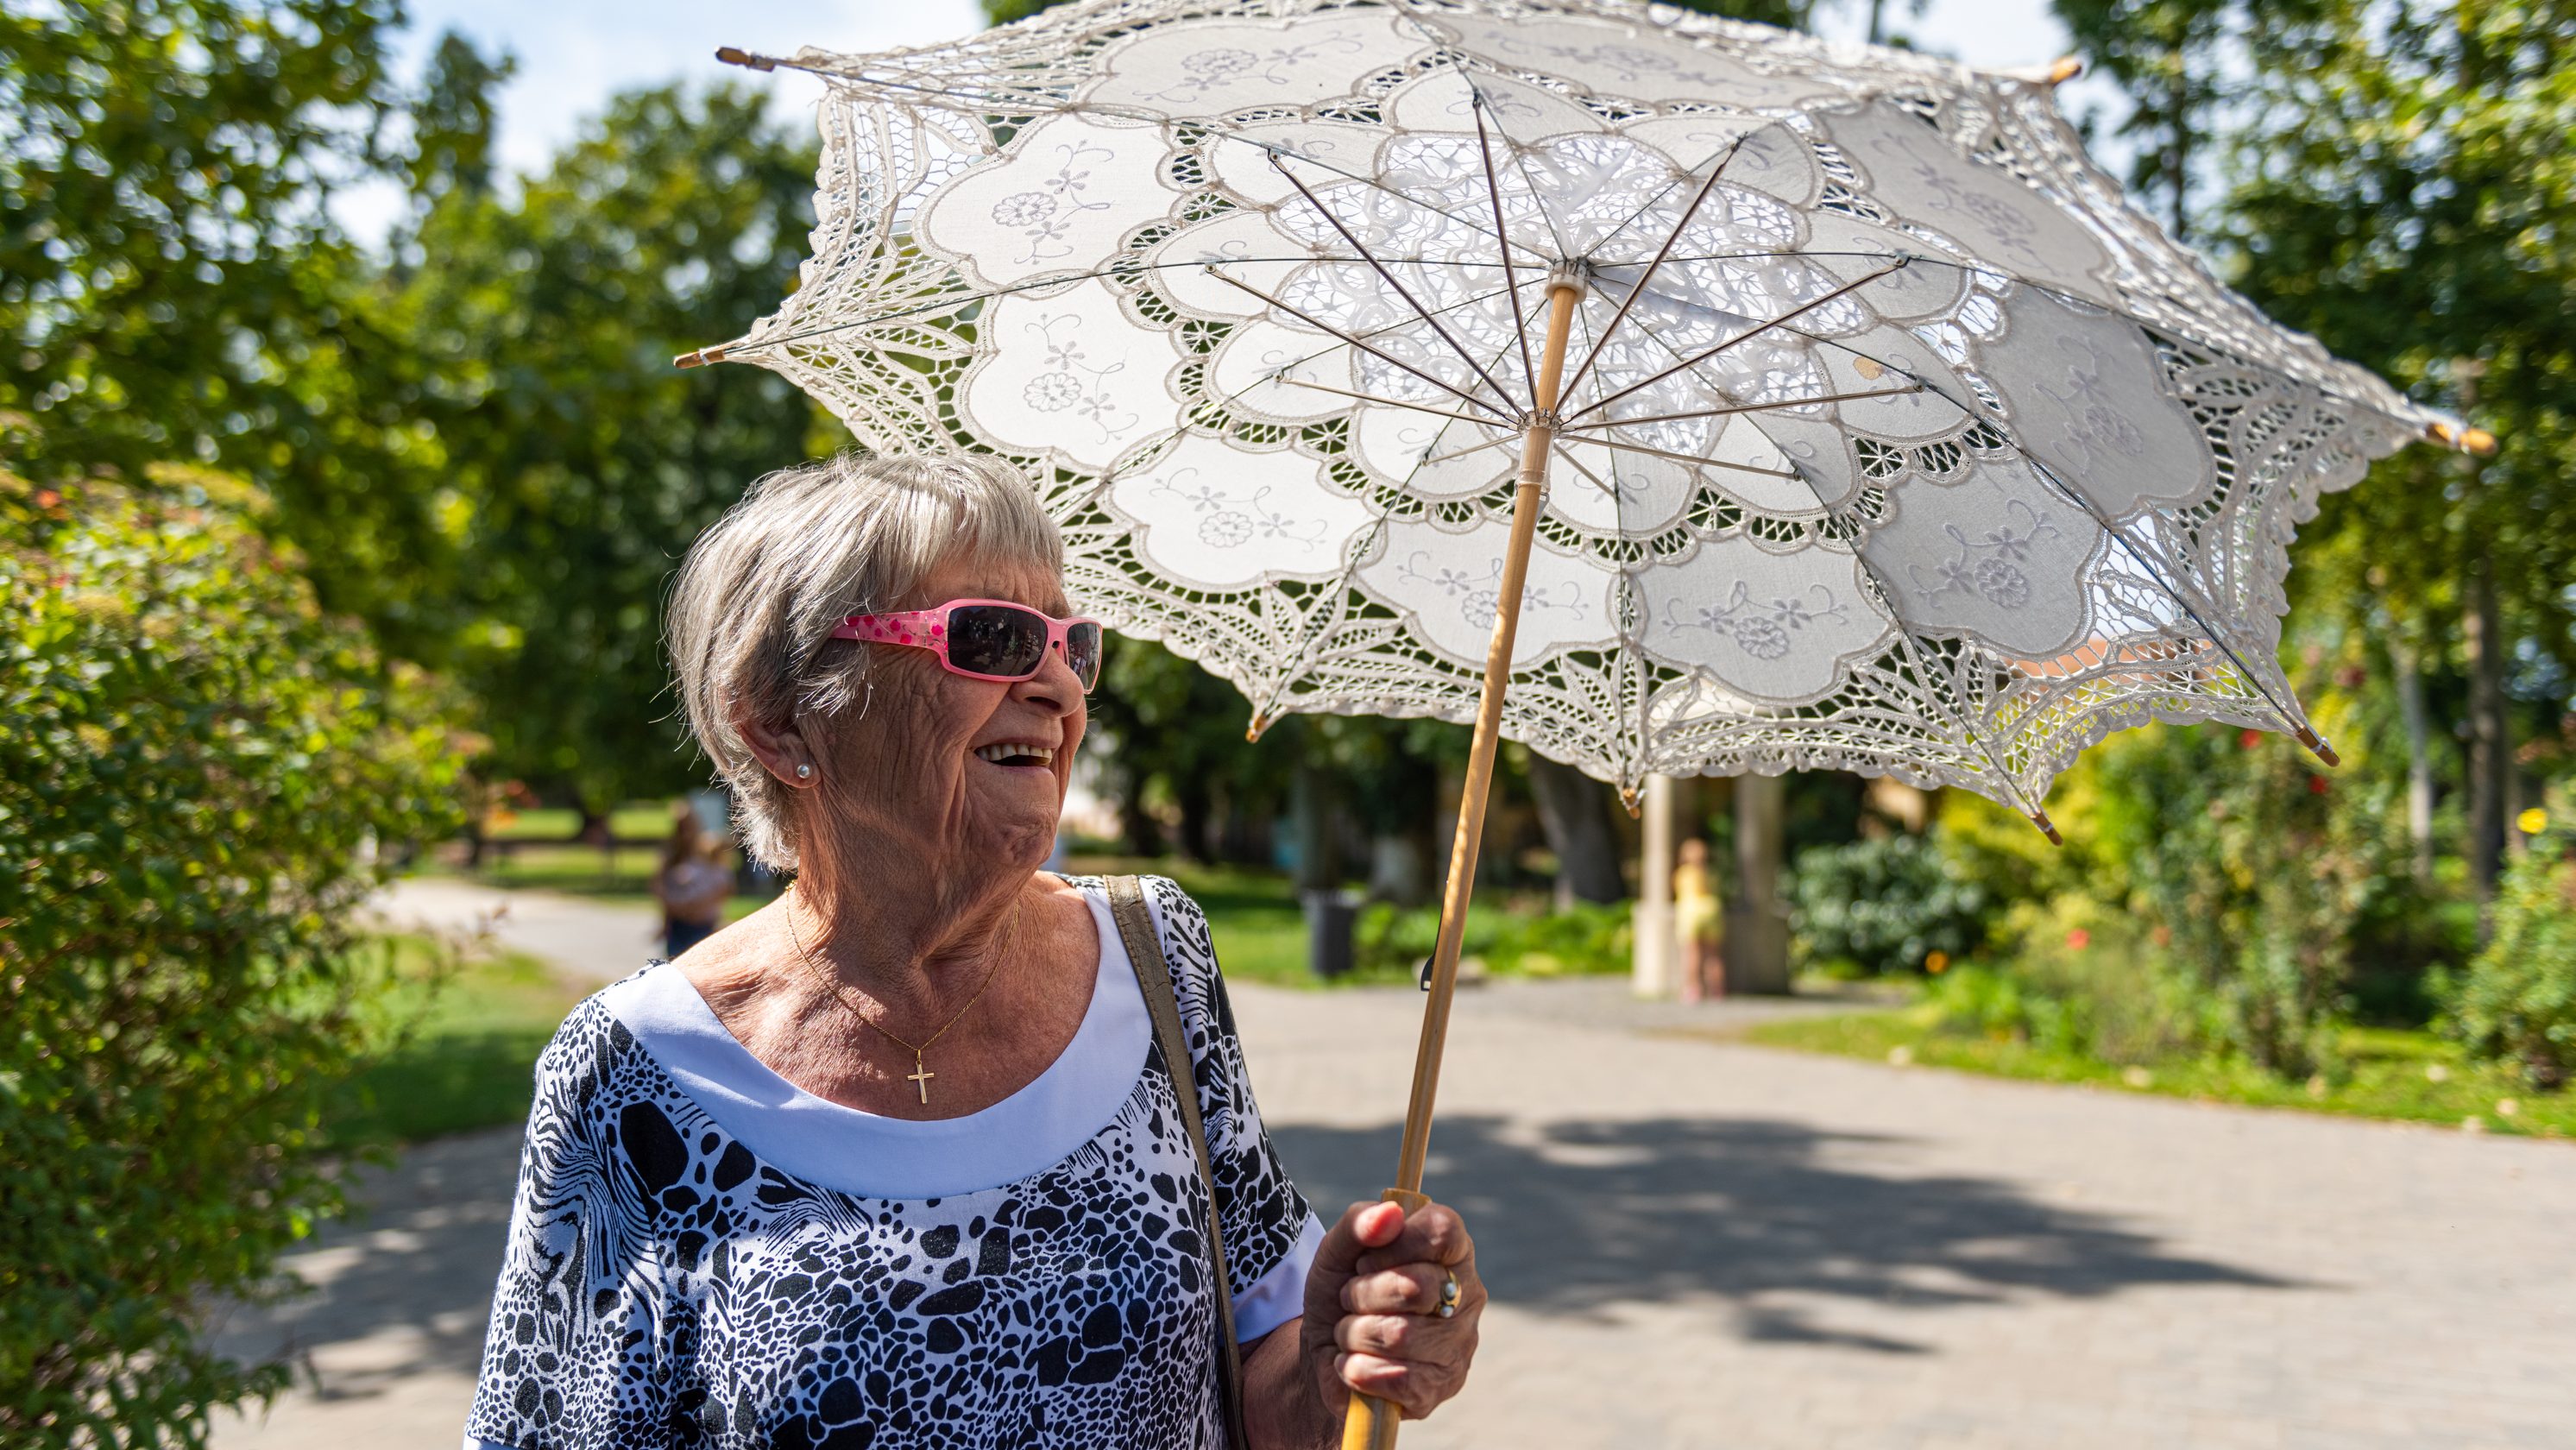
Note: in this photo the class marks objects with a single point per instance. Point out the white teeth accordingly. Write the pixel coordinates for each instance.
(1042, 754)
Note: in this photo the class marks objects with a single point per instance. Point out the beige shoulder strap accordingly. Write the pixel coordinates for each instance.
(1154, 977)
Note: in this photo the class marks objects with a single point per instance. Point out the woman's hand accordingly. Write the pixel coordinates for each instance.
(1373, 1300)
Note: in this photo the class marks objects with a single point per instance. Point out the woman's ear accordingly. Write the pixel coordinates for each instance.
(782, 750)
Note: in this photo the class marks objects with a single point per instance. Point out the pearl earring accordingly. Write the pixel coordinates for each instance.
(804, 771)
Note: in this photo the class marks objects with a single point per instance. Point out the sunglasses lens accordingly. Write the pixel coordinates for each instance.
(997, 639)
(1082, 651)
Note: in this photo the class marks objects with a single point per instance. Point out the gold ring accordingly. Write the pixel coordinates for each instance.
(1449, 1293)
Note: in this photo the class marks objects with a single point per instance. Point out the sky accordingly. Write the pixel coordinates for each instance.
(574, 54)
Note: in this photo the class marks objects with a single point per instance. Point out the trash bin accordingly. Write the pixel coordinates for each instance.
(1330, 919)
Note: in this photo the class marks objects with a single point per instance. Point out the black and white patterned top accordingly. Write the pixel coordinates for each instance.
(701, 1254)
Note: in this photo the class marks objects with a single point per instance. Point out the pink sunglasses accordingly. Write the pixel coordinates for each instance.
(986, 639)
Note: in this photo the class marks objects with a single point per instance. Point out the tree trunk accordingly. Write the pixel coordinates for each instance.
(1198, 814)
(1757, 926)
(2490, 745)
(2178, 153)
(1138, 830)
(1574, 812)
(1319, 830)
(2419, 756)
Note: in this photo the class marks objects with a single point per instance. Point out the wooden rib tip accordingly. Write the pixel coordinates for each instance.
(2324, 752)
(1252, 732)
(732, 55)
(2047, 828)
(2056, 73)
(2467, 440)
(700, 358)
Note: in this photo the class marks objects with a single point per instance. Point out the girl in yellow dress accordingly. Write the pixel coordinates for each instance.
(1697, 925)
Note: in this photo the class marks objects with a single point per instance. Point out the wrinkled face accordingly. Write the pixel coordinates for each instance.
(948, 769)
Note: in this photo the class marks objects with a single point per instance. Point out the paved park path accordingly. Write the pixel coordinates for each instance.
(1697, 1243)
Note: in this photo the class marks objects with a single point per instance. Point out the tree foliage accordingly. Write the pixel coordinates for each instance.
(577, 463)
(2405, 191)
(200, 768)
(173, 286)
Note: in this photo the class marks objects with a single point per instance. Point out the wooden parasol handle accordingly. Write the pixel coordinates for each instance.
(1371, 1422)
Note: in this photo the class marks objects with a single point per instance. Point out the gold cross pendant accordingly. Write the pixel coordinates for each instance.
(920, 1079)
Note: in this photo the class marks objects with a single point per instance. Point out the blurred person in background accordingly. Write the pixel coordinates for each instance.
(1697, 922)
(691, 883)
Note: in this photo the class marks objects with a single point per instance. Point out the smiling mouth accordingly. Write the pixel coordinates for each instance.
(1014, 754)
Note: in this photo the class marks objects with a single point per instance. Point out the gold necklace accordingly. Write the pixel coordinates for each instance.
(920, 1076)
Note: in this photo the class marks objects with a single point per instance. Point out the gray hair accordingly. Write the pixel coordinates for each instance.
(762, 590)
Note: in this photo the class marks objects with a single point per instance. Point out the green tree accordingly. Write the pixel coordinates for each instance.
(2170, 59)
(2402, 190)
(576, 463)
(173, 287)
(200, 772)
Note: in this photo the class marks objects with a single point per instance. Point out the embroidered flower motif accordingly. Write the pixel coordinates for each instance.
(1024, 209)
(1210, 66)
(1987, 567)
(2002, 584)
(1045, 213)
(1226, 522)
(1071, 382)
(1206, 70)
(1483, 606)
(1761, 638)
(1052, 392)
(1762, 630)
(2113, 430)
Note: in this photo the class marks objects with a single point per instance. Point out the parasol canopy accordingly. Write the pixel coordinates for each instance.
(1891, 438)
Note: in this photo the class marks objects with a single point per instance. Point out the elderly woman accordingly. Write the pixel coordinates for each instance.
(898, 1160)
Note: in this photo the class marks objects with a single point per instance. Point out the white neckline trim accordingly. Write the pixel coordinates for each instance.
(851, 1151)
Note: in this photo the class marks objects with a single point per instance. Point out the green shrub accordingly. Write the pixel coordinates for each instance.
(1398, 939)
(2258, 873)
(1884, 906)
(2096, 983)
(1583, 940)
(198, 772)
(2517, 1001)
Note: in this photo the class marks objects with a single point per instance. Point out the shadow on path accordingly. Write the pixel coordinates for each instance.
(1572, 1218)
(1576, 1217)
(419, 1256)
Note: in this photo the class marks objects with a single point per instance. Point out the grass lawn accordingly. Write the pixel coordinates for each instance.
(2407, 1076)
(1253, 917)
(467, 1060)
(639, 820)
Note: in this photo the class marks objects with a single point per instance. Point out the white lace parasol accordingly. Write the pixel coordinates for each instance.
(1891, 439)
